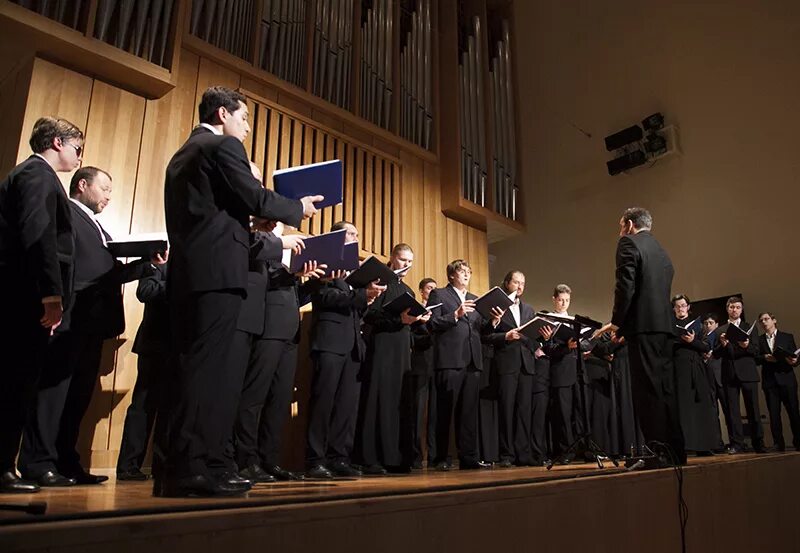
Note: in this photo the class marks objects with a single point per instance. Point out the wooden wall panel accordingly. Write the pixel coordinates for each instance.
(57, 92)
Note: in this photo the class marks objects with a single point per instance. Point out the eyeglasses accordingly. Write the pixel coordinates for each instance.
(78, 149)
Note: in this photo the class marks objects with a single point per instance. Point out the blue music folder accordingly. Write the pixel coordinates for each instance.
(317, 179)
(349, 261)
(325, 249)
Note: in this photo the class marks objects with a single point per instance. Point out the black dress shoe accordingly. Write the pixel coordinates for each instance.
(759, 449)
(416, 465)
(473, 465)
(281, 474)
(319, 472)
(257, 475)
(233, 479)
(733, 450)
(340, 468)
(132, 475)
(373, 470)
(505, 464)
(443, 466)
(198, 486)
(84, 478)
(11, 483)
(52, 479)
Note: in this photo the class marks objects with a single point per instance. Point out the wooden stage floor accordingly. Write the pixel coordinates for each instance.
(735, 503)
(119, 499)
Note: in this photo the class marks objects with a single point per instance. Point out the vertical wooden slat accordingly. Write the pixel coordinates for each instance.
(377, 205)
(273, 142)
(358, 196)
(330, 154)
(369, 202)
(314, 153)
(260, 139)
(341, 154)
(348, 205)
(386, 231)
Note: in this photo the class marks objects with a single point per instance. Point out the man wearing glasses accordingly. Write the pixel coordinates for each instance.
(35, 276)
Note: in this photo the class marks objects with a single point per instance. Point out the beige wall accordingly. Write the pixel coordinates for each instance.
(728, 74)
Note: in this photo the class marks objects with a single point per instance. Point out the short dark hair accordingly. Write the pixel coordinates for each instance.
(771, 316)
(713, 316)
(84, 173)
(340, 225)
(47, 129)
(216, 97)
(561, 289)
(639, 216)
(678, 297)
(454, 266)
(734, 299)
(425, 281)
(401, 247)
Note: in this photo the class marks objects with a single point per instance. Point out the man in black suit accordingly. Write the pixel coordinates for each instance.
(421, 388)
(740, 378)
(268, 334)
(72, 361)
(209, 195)
(563, 367)
(714, 374)
(337, 350)
(151, 347)
(515, 367)
(384, 427)
(36, 248)
(458, 363)
(778, 360)
(643, 315)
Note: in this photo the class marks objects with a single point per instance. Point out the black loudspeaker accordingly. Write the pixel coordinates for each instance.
(625, 162)
(624, 137)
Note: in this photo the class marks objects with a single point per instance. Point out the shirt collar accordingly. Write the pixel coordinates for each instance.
(211, 128)
(85, 209)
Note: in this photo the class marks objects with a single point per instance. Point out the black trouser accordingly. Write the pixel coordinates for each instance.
(422, 394)
(209, 383)
(457, 392)
(141, 415)
(540, 404)
(332, 408)
(523, 420)
(265, 402)
(65, 391)
(785, 395)
(749, 391)
(488, 448)
(380, 416)
(507, 392)
(599, 408)
(562, 398)
(23, 342)
(654, 390)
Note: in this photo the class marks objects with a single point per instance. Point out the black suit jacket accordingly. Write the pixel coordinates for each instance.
(513, 357)
(153, 336)
(737, 361)
(421, 350)
(265, 248)
(776, 373)
(457, 344)
(209, 196)
(389, 342)
(97, 307)
(336, 319)
(36, 242)
(644, 281)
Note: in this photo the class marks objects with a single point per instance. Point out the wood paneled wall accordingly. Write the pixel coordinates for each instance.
(392, 196)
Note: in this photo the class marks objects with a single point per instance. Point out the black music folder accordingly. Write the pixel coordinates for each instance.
(371, 270)
(493, 298)
(531, 328)
(781, 353)
(316, 179)
(693, 326)
(736, 334)
(139, 245)
(324, 249)
(403, 302)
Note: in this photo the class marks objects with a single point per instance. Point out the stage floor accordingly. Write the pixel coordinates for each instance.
(123, 499)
